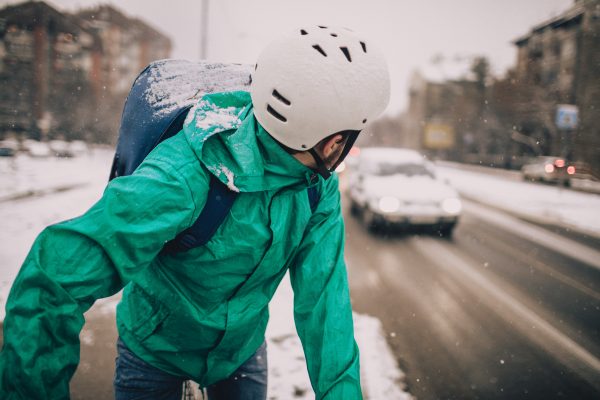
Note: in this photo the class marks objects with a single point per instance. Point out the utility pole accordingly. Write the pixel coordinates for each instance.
(204, 29)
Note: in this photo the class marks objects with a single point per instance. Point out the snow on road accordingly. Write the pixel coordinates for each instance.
(35, 193)
(542, 203)
(22, 175)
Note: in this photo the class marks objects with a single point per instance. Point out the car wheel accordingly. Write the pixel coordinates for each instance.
(445, 231)
(369, 220)
(355, 208)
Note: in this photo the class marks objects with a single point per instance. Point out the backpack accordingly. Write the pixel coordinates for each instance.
(155, 110)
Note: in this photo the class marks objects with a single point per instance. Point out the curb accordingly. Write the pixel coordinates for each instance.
(540, 221)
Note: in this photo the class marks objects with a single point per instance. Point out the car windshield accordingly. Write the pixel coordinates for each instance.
(386, 169)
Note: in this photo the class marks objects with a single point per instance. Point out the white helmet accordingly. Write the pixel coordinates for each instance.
(318, 81)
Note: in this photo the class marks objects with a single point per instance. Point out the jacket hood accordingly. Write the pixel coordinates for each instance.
(229, 141)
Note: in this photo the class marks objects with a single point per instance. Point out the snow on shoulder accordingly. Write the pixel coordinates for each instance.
(208, 117)
(228, 174)
(288, 378)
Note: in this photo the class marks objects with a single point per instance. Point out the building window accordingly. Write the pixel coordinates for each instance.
(556, 47)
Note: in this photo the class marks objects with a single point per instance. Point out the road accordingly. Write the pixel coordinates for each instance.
(503, 310)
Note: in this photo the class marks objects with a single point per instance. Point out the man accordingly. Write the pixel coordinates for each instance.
(202, 314)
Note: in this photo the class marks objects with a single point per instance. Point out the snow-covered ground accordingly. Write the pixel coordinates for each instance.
(542, 203)
(37, 192)
(288, 378)
(34, 193)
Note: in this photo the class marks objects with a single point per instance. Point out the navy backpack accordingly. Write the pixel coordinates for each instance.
(155, 110)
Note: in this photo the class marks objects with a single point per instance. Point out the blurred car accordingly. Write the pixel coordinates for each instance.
(60, 148)
(548, 169)
(399, 187)
(584, 171)
(36, 149)
(79, 147)
(8, 147)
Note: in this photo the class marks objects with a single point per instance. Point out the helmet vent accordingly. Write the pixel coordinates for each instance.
(333, 34)
(282, 99)
(303, 32)
(364, 46)
(364, 121)
(346, 53)
(320, 50)
(274, 113)
(322, 27)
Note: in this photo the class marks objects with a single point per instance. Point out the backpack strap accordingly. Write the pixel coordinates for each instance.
(218, 203)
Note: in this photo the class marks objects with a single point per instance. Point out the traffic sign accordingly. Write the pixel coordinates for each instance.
(566, 116)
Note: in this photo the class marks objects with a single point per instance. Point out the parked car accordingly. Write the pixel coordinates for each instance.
(548, 169)
(36, 149)
(79, 147)
(8, 147)
(399, 187)
(61, 148)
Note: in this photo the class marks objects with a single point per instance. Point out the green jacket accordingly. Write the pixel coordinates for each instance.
(202, 313)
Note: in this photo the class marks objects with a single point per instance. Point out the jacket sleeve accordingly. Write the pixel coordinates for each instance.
(322, 309)
(73, 263)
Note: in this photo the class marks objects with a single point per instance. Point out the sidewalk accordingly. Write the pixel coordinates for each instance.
(542, 204)
(578, 184)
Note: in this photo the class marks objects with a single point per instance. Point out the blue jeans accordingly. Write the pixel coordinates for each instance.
(137, 380)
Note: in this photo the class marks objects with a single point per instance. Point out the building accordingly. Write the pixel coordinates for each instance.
(67, 75)
(46, 61)
(448, 113)
(558, 63)
(469, 118)
(129, 45)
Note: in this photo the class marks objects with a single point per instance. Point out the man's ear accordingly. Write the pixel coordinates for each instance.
(330, 145)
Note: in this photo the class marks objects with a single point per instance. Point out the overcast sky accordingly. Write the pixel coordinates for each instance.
(409, 32)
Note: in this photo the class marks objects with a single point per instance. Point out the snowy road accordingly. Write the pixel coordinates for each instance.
(505, 310)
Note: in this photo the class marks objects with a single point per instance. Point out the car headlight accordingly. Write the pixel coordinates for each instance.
(388, 204)
(452, 205)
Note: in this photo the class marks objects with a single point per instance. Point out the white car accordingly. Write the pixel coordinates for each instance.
(37, 149)
(79, 147)
(548, 169)
(398, 187)
(60, 148)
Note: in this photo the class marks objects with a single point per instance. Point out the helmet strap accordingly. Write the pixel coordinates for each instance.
(321, 167)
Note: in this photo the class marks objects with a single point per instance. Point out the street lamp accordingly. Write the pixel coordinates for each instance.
(204, 29)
